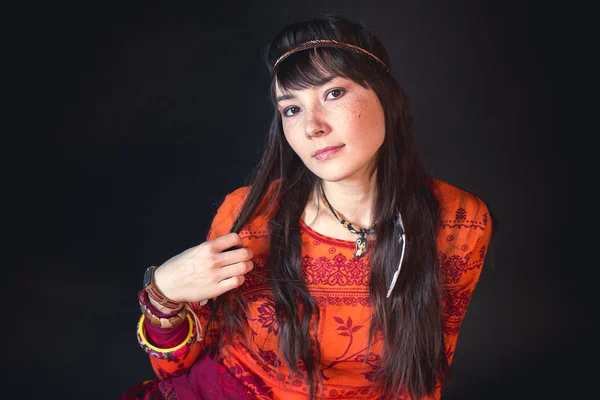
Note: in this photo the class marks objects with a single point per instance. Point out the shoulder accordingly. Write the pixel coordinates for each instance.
(228, 209)
(459, 205)
(236, 198)
(253, 233)
(464, 229)
(232, 201)
(231, 205)
(237, 194)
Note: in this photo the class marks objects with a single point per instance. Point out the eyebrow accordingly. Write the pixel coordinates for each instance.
(284, 97)
(291, 96)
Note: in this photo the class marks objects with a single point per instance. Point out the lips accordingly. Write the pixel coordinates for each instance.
(327, 152)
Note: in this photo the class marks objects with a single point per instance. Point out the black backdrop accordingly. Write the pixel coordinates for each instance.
(144, 117)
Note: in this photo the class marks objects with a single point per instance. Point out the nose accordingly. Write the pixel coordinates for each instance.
(315, 123)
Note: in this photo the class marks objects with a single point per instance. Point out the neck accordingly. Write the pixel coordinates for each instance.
(351, 201)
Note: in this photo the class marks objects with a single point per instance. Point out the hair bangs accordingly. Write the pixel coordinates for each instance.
(318, 66)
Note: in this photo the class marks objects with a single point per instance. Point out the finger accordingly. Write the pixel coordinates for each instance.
(225, 242)
(240, 268)
(230, 283)
(233, 256)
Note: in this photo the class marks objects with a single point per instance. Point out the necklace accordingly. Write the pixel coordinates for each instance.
(362, 246)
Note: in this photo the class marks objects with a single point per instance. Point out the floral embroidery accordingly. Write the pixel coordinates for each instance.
(456, 305)
(266, 316)
(455, 266)
(269, 357)
(257, 278)
(452, 267)
(339, 285)
(454, 308)
(347, 330)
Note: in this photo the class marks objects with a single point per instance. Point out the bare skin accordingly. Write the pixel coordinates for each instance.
(318, 216)
(204, 271)
(338, 113)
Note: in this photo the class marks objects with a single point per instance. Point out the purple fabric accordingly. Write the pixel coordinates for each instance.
(208, 379)
(163, 338)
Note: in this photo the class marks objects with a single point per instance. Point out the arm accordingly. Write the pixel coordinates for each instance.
(463, 242)
(172, 351)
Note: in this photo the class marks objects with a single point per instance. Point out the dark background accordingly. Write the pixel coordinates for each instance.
(139, 119)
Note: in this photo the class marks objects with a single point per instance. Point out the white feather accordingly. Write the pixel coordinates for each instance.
(400, 225)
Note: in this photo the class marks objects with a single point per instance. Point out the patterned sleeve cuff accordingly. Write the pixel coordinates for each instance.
(165, 353)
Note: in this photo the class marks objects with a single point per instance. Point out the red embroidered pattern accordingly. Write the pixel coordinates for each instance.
(460, 221)
(339, 284)
(336, 271)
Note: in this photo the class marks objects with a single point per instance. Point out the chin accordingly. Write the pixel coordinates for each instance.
(333, 176)
(334, 171)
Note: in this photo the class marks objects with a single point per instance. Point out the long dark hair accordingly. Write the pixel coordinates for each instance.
(413, 356)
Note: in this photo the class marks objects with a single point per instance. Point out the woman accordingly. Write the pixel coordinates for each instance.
(342, 270)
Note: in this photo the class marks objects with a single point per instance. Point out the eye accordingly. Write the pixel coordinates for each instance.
(288, 112)
(335, 93)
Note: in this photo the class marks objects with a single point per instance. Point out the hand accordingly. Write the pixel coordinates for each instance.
(205, 271)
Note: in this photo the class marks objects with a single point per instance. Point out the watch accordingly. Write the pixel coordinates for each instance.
(148, 276)
(155, 294)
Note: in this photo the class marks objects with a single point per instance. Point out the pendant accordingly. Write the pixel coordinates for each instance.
(361, 247)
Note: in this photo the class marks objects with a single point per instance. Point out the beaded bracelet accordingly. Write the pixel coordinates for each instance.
(165, 321)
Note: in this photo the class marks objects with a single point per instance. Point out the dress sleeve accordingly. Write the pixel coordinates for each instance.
(170, 355)
(463, 242)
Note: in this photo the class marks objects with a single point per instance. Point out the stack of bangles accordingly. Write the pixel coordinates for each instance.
(162, 322)
(183, 344)
(179, 313)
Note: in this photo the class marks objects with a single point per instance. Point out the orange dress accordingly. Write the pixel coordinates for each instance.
(339, 283)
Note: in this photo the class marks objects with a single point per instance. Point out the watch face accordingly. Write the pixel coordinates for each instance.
(147, 276)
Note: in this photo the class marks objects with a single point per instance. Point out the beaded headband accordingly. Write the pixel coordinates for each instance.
(327, 43)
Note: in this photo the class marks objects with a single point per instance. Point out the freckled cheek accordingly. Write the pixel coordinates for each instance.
(371, 119)
(360, 119)
(295, 140)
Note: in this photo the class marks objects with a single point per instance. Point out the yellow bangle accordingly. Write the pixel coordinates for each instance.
(165, 354)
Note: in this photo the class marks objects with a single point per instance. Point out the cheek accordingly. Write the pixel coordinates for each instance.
(368, 124)
(295, 141)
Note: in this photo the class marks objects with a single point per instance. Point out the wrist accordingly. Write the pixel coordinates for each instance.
(156, 294)
(168, 319)
(158, 281)
(160, 308)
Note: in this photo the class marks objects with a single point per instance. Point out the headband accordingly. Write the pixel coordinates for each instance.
(327, 43)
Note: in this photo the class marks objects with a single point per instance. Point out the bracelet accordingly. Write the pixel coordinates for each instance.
(166, 354)
(155, 295)
(162, 322)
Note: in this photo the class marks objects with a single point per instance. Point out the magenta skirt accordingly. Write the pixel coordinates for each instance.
(207, 379)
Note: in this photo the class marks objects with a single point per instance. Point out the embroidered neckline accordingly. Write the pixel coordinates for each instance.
(328, 239)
